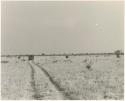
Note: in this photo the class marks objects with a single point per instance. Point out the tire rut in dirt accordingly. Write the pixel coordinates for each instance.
(36, 95)
(56, 85)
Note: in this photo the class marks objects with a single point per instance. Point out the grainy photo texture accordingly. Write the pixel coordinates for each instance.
(62, 50)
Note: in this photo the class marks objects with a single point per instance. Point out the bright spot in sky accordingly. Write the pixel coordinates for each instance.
(96, 24)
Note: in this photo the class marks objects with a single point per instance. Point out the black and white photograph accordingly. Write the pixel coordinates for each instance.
(62, 50)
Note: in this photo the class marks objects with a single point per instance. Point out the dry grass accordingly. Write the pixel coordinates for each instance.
(80, 77)
(105, 80)
(15, 81)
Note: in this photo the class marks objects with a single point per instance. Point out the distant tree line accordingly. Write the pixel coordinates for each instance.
(117, 53)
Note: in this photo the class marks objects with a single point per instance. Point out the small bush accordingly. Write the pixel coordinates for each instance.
(117, 53)
(31, 57)
(67, 56)
(38, 96)
(88, 66)
(18, 57)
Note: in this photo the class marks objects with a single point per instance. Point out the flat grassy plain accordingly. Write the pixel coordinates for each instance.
(103, 80)
(79, 77)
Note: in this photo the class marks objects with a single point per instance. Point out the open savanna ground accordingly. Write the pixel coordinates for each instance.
(57, 77)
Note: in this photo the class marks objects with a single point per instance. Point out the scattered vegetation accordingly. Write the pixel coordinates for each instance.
(84, 78)
(31, 57)
(88, 66)
(4, 61)
(117, 53)
(67, 56)
(43, 54)
(105, 81)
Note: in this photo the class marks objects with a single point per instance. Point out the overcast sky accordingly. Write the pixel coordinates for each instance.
(61, 27)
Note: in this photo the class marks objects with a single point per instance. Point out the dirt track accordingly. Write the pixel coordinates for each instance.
(57, 90)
